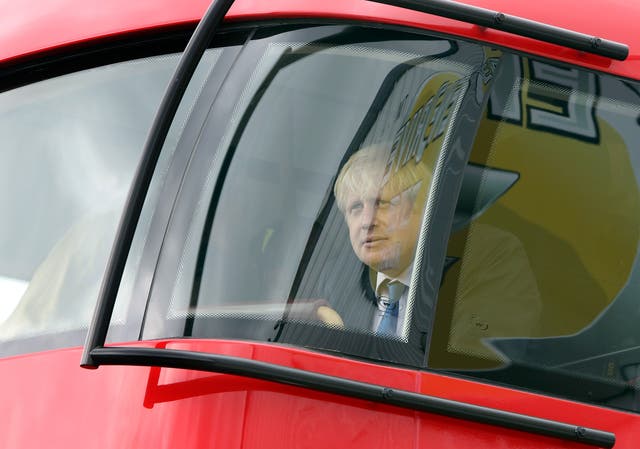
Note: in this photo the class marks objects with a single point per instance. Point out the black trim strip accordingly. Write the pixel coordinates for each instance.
(170, 358)
(87, 55)
(202, 36)
(515, 25)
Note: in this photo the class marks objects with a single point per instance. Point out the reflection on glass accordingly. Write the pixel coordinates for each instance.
(70, 147)
(570, 136)
(280, 252)
(320, 232)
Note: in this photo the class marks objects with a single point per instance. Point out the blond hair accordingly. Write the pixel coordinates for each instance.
(370, 169)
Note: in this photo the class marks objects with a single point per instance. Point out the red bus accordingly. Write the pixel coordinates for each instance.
(389, 223)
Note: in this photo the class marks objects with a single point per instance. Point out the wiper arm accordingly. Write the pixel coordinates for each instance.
(171, 358)
(515, 25)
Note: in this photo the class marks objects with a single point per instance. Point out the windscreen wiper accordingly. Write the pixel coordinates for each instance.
(515, 25)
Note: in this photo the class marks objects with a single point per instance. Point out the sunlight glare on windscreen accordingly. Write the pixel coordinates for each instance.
(11, 290)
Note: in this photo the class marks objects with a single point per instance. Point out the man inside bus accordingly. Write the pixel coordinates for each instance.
(383, 217)
(494, 290)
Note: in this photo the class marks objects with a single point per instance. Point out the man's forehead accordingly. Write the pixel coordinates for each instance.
(387, 192)
(363, 193)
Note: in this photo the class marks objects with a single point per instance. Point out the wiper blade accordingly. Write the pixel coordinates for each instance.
(171, 358)
(515, 25)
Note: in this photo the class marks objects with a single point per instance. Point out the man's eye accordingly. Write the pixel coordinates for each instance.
(355, 207)
(381, 204)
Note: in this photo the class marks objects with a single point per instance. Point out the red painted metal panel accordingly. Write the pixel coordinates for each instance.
(29, 28)
(49, 401)
(119, 406)
(61, 22)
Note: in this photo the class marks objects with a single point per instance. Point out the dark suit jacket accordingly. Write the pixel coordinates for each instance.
(488, 291)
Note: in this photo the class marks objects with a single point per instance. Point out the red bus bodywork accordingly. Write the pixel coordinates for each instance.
(48, 400)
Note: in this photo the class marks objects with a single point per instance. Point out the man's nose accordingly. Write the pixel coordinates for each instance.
(369, 217)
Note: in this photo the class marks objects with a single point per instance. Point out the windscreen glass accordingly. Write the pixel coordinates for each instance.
(305, 229)
(546, 240)
(70, 148)
(418, 201)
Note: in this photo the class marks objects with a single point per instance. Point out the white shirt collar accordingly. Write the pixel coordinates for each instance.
(405, 277)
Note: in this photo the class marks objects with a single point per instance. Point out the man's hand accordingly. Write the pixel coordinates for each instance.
(329, 316)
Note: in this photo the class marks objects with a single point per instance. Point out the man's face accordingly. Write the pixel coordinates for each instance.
(383, 229)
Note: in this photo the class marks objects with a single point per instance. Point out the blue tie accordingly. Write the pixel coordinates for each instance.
(389, 320)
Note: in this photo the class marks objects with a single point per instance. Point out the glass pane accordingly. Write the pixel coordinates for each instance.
(283, 259)
(127, 313)
(546, 244)
(70, 147)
